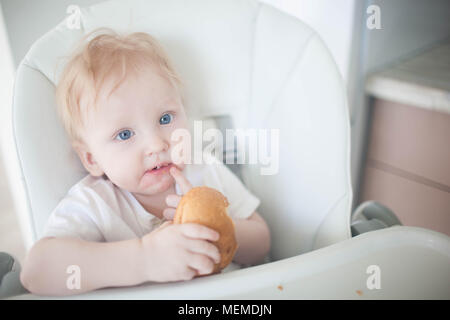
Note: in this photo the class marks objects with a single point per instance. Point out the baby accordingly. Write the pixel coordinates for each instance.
(120, 100)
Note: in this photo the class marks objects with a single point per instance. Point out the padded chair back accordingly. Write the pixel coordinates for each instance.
(239, 58)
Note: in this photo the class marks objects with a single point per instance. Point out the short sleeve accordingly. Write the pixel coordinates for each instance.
(242, 203)
(73, 217)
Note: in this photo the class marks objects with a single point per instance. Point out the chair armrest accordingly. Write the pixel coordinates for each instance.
(10, 284)
(370, 216)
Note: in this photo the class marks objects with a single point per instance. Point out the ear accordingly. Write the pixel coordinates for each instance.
(87, 158)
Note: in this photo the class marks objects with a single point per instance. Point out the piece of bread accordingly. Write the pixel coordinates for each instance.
(207, 206)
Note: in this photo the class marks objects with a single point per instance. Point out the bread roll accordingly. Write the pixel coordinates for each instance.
(207, 206)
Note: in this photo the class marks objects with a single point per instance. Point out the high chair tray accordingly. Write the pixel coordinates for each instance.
(407, 262)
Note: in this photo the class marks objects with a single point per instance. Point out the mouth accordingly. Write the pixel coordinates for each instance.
(160, 168)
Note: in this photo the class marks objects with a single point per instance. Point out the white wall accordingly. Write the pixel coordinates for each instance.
(408, 27)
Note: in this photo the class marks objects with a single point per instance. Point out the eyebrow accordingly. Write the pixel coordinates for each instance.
(161, 105)
(169, 100)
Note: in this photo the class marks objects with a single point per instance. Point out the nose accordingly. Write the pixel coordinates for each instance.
(155, 144)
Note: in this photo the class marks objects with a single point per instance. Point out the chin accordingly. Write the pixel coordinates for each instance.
(159, 187)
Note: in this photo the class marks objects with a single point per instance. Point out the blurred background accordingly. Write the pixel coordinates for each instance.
(394, 57)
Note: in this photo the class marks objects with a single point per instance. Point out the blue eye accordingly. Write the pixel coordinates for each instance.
(166, 118)
(125, 134)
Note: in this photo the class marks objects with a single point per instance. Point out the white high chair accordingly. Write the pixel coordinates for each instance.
(264, 69)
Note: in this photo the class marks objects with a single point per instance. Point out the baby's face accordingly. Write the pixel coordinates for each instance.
(130, 133)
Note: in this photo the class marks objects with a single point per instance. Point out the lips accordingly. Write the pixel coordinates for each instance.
(160, 168)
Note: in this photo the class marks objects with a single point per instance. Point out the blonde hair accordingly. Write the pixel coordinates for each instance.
(107, 54)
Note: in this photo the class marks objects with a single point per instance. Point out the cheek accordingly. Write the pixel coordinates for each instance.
(122, 162)
(180, 146)
(182, 122)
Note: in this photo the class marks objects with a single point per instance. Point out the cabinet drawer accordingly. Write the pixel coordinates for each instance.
(415, 204)
(412, 139)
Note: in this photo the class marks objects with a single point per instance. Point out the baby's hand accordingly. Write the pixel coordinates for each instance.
(172, 200)
(175, 252)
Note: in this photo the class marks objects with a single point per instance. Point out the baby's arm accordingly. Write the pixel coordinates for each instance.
(169, 253)
(253, 237)
(101, 264)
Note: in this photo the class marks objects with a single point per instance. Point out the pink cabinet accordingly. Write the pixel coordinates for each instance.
(408, 164)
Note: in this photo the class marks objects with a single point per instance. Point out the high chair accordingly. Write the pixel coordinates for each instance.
(263, 69)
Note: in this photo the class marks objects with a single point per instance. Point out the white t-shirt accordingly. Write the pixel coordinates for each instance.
(95, 209)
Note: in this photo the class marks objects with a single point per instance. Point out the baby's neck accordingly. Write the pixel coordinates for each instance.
(155, 204)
